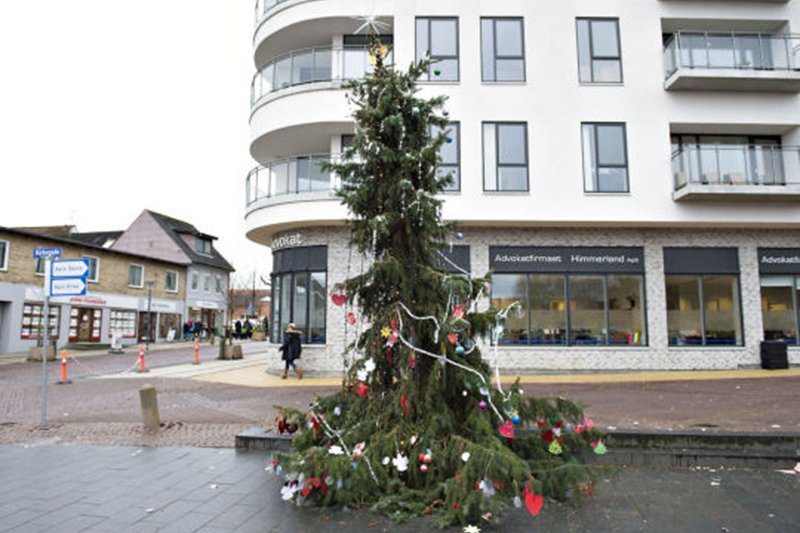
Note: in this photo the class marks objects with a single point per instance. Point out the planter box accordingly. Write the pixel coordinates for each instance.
(232, 352)
(35, 354)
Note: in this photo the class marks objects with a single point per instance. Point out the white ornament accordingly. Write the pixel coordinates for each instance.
(413, 440)
(472, 529)
(337, 410)
(369, 365)
(465, 456)
(335, 450)
(362, 375)
(358, 449)
(400, 462)
(289, 490)
(385, 461)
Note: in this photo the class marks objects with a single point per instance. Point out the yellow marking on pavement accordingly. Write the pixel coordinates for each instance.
(255, 376)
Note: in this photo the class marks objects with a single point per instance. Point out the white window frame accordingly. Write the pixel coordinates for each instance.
(206, 282)
(177, 281)
(96, 277)
(4, 256)
(39, 261)
(219, 287)
(129, 276)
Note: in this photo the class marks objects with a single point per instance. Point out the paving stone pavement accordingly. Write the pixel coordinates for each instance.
(96, 489)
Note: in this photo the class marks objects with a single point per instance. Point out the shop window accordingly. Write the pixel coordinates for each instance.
(599, 57)
(4, 255)
(450, 155)
(704, 310)
(505, 156)
(33, 321)
(605, 158)
(300, 298)
(136, 276)
(123, 322)
(502, 49)
(779, 308)
(94, 268)
(438, 39)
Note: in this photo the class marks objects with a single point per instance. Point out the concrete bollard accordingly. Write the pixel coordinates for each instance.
(147, 395)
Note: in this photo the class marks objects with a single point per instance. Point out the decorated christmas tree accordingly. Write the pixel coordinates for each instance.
(420, 424)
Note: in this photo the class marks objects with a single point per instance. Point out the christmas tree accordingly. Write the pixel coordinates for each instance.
(419, 426)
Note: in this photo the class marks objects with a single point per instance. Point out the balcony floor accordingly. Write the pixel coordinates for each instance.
(704, 79)
(700, 191)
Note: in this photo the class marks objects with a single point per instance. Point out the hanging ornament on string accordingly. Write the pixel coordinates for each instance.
(338, 299)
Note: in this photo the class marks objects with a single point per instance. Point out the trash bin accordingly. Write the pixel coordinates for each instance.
(774, 355)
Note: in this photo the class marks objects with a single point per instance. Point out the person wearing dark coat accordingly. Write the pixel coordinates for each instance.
(291, 349)
(237, 329)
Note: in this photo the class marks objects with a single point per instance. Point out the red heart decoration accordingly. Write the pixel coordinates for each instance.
(579, 428)
(507, 429)
(362, 389)
(540, 424)
(533, 502)
(458, 312)
(412, 360)
(339, 299)
(351, 318)
(314, 482)
(452, 337)
(547, 436)
(305, 492)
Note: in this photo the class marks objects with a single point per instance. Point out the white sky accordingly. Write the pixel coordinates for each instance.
(109, 107)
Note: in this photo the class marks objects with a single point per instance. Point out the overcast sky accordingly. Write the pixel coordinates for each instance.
(110, 107)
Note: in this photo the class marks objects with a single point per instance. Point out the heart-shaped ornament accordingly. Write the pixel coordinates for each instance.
(533, 502)
(507, 429)
(338, 299)
(351, 318)
(452, 337)
(305, 492)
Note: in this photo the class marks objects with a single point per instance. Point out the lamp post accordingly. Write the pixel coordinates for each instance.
(149, 304)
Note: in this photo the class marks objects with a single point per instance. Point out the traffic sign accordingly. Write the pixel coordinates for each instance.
(70, 268)
(68, 287)
(45, 253)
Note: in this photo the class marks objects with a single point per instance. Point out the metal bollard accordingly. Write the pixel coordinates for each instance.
(64, 380)
(149, 400)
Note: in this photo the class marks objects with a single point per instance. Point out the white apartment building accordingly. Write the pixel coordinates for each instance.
(629, 169)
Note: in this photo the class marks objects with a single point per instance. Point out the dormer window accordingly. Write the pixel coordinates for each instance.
(203, 246)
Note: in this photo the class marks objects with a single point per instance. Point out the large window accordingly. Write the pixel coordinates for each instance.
(599, 57)
(123, 323)
(779, 309)
(505, 156)
(299, 293)
(33, 321)
(574, 309)
(502, 49)
(704, 310)
(438, 38)
(605, 159)
(94, 268)
(3, 255)
(450, 154)
(136, 276)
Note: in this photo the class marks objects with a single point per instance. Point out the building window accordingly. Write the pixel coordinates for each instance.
(572, 309)
(220, 289)
(171, 281)
(599, 57)
(502, 49)
(40, 264)
(438, 38)
(505, 156)
(3, 255)
(207, 282)
(33, 323)
(94, 268)
(703, 303)
(136, 276)
(779, 308)
(299, 293)
(203, 246)
(194, 281)
(123, 323)
(605, 159)
(450, 154)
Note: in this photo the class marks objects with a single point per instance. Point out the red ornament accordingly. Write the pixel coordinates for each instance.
(393, 323)
(458, 475)
(405, 404)
(412, 359)
(338, 299)
(507, 429)
(533, 502)
(362, 389)
(455, 506)
(351, 318)
(547, 436)
(458, 312)
(540, 424)
(452, 337)
(423, 468)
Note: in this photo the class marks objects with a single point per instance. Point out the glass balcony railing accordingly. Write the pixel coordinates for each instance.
(312, 65)
(263, 6)
(742, 51)
(294, 175)
(736, 165)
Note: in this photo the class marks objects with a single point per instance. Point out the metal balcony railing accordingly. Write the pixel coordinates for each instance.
(312, 65)
(711, 164)
(742, 51)
(293, 175)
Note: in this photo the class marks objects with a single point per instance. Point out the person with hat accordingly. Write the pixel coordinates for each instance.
(291, 350)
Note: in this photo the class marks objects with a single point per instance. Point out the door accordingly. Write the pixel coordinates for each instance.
(143, 326)
(85, 324)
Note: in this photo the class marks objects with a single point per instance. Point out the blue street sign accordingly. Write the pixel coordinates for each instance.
(70, 268)
(68, 287)
(39, 253)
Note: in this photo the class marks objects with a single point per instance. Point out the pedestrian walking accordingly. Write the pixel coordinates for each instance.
(291, 350)
(237, 328)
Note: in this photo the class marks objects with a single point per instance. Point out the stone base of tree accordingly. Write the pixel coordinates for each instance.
(35, 353)
(232, 352)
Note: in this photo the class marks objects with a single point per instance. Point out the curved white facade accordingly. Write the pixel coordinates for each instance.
(707, 110)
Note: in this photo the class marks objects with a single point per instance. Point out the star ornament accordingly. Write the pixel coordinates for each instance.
(371, 24)
(472, 529)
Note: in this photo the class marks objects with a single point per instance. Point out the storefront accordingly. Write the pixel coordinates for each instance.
(780, 291)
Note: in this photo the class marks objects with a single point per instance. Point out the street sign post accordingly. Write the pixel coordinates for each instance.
(68, 277)
(47, 254)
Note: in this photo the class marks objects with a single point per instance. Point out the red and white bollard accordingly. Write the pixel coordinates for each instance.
(141, 359)
(196, 352)
(64, 380)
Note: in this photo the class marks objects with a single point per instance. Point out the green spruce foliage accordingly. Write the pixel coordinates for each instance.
(415, 428)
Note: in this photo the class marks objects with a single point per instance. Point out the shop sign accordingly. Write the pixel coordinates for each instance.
(157, 305)
(779, 260)
(205, 304)
(566, 260)
(287, 240)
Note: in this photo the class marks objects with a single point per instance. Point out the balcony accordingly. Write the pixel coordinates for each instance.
(321, 67)
(292, 179)
(265, 6)
(736, 172)
(706, 61)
